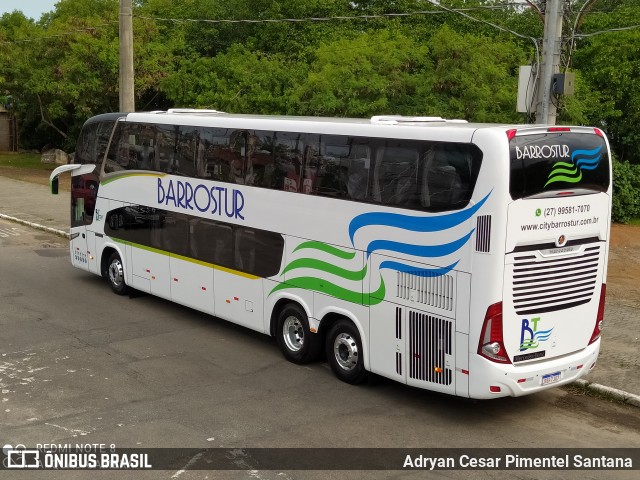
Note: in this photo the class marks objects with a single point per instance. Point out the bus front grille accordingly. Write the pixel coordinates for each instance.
(548, 285)
(429, 341)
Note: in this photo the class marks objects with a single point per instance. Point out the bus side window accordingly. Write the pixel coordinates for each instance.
(395, 180)
(358, 172)
(332, 171)
(92, 143)
(245, 250)
(118, 155)
(147, 147)
(213, 243)
(172, 232)
(444, 180)
(187, 150)
(288, 151)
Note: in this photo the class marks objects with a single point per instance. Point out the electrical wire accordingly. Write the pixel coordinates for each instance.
(329, 19)
(610, 30)
(59, 35)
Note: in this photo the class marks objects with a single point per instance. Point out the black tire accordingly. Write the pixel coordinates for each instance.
(115, 275)
(344, 352)
(296, 342)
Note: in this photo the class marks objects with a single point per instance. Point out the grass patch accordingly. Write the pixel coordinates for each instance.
(28, 167)
(635, 221)
(29, 161)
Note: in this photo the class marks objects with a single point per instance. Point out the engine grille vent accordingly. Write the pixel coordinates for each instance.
(429, 342)
(549, 285)
(398, 323)
(483, 234)
(434, 291)
(398, 363)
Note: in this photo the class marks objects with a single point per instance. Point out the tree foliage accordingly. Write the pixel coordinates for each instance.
(63, 68)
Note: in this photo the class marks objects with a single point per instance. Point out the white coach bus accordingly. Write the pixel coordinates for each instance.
(464, 258)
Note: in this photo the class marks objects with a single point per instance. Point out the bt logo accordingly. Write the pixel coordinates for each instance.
(531, 335)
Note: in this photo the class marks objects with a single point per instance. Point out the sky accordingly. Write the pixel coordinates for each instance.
(31, 8)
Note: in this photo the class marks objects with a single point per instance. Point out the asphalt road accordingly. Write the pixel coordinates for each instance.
(80, 364)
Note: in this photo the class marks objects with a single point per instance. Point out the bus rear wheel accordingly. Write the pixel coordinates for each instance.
(297, 343)
(115, 274)
(344, 352)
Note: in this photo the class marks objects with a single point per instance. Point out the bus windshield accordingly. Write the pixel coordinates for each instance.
(558, 161)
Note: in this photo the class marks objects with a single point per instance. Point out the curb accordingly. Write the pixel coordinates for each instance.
(37, 226)
(620, 395)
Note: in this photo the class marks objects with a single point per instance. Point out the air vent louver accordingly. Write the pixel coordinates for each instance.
(548, 285)
(429, 341)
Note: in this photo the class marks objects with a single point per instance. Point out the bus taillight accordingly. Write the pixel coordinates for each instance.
(491, 345)
(599, 319)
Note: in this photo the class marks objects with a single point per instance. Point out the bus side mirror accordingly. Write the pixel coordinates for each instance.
(54, 186)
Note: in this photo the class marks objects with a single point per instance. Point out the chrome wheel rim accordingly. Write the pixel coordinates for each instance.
(116, 274)
(293, 333)
(345, 350)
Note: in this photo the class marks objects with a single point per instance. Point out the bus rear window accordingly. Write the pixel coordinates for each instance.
(558, 161)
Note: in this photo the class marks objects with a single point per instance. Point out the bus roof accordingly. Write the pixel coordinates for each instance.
(390, 126)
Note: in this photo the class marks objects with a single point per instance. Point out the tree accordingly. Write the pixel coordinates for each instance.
(367, 74)
(610, 64)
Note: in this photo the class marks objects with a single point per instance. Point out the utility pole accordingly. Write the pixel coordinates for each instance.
(551, 44)
(127, 101)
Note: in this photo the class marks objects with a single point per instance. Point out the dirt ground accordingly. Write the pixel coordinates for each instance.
(41, 177)
(623, 279)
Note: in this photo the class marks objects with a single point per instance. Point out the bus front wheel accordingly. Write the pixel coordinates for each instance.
(115, 274)
(344, 352)
(297, 343)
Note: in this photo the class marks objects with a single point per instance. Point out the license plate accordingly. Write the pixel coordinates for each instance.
(551, 378)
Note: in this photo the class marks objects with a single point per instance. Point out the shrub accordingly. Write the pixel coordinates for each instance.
(626, 191)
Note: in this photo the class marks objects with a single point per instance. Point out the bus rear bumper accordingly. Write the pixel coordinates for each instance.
(491, 380)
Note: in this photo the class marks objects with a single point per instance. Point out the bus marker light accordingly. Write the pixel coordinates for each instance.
(236, 299)
(522, 380)
(437, 369)
(465, 372)
(579, 367)
(511, 134)
(153, 277)
(494, 389)
(228, 301)
(175, 279)
(204, 289)
(313, 330)
(598, 132)
(558, 129)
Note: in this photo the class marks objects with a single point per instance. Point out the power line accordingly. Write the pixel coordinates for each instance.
(335, 18)
(619, 29)
(59, 35)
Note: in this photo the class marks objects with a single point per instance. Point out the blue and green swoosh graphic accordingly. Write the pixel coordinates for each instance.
(534, 342)
(323, 260)
(572, 172)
